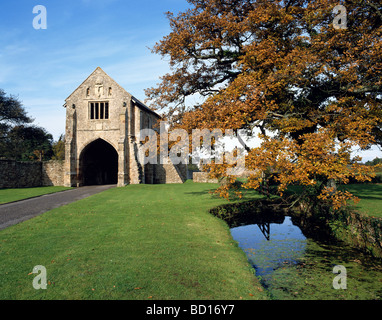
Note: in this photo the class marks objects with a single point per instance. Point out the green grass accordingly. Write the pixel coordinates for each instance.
(137, 242)
(371, 198)
(370, 195)
(10, 195)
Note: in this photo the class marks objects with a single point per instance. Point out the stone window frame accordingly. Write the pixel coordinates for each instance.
(99, 110)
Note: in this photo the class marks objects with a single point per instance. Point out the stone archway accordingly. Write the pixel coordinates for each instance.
(98, 164)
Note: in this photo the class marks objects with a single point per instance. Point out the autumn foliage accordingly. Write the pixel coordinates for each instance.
(313, 91)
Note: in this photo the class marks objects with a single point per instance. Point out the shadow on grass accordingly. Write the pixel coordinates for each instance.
(359, 186)
(202, 193)
(365, 190)
(246, 194)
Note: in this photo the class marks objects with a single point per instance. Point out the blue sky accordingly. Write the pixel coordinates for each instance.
(43, 67)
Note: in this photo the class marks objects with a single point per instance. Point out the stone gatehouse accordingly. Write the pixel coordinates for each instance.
(102, 146)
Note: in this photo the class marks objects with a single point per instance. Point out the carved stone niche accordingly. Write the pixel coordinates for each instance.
(98, 88)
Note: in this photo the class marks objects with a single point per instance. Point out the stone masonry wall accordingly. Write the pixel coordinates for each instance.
(202, 177)
(167, 173)
(16, 174)
(52, 173)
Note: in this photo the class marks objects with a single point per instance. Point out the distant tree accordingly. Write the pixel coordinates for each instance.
(18, 139)
(26, 143)
(12, 113)
(374, 162)
(58, 148)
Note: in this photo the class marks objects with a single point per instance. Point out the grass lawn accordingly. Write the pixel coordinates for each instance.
(137, 242)
(370, 195)
(10, 195)
(371, 198)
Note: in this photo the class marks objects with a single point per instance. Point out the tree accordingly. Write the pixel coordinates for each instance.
(374, 162)
(11, 113)
(27, 143)
(280, 67)
(58, 148)
(18, 139)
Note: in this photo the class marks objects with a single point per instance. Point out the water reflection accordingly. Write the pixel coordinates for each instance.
(292, 266)
(265, 229)
(271, 245)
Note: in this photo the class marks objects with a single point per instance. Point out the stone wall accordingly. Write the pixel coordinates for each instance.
(16, 174)
(52, 173)
(190, 173)
(202, 177)
(175, 173)
(164, 173)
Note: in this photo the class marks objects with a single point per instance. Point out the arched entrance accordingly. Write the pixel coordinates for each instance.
(99, 164)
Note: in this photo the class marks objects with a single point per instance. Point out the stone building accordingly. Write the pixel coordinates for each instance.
(102, 146)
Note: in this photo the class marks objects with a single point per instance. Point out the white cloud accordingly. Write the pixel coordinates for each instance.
(368, 155)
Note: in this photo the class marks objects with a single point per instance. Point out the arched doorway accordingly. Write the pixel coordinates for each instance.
(99, 164)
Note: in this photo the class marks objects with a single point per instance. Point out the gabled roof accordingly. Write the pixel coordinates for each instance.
(143, 106)
(135, 100)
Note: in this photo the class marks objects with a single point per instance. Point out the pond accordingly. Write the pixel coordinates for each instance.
(293, 266)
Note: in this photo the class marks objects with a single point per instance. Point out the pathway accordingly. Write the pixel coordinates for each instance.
(16, 212)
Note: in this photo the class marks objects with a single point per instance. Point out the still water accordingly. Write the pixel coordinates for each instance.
(292, 266)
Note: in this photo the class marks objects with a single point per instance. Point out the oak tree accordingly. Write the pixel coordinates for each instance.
(312, 90)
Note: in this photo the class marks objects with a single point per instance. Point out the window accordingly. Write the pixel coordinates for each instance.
(99, 110)
(141, 118)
